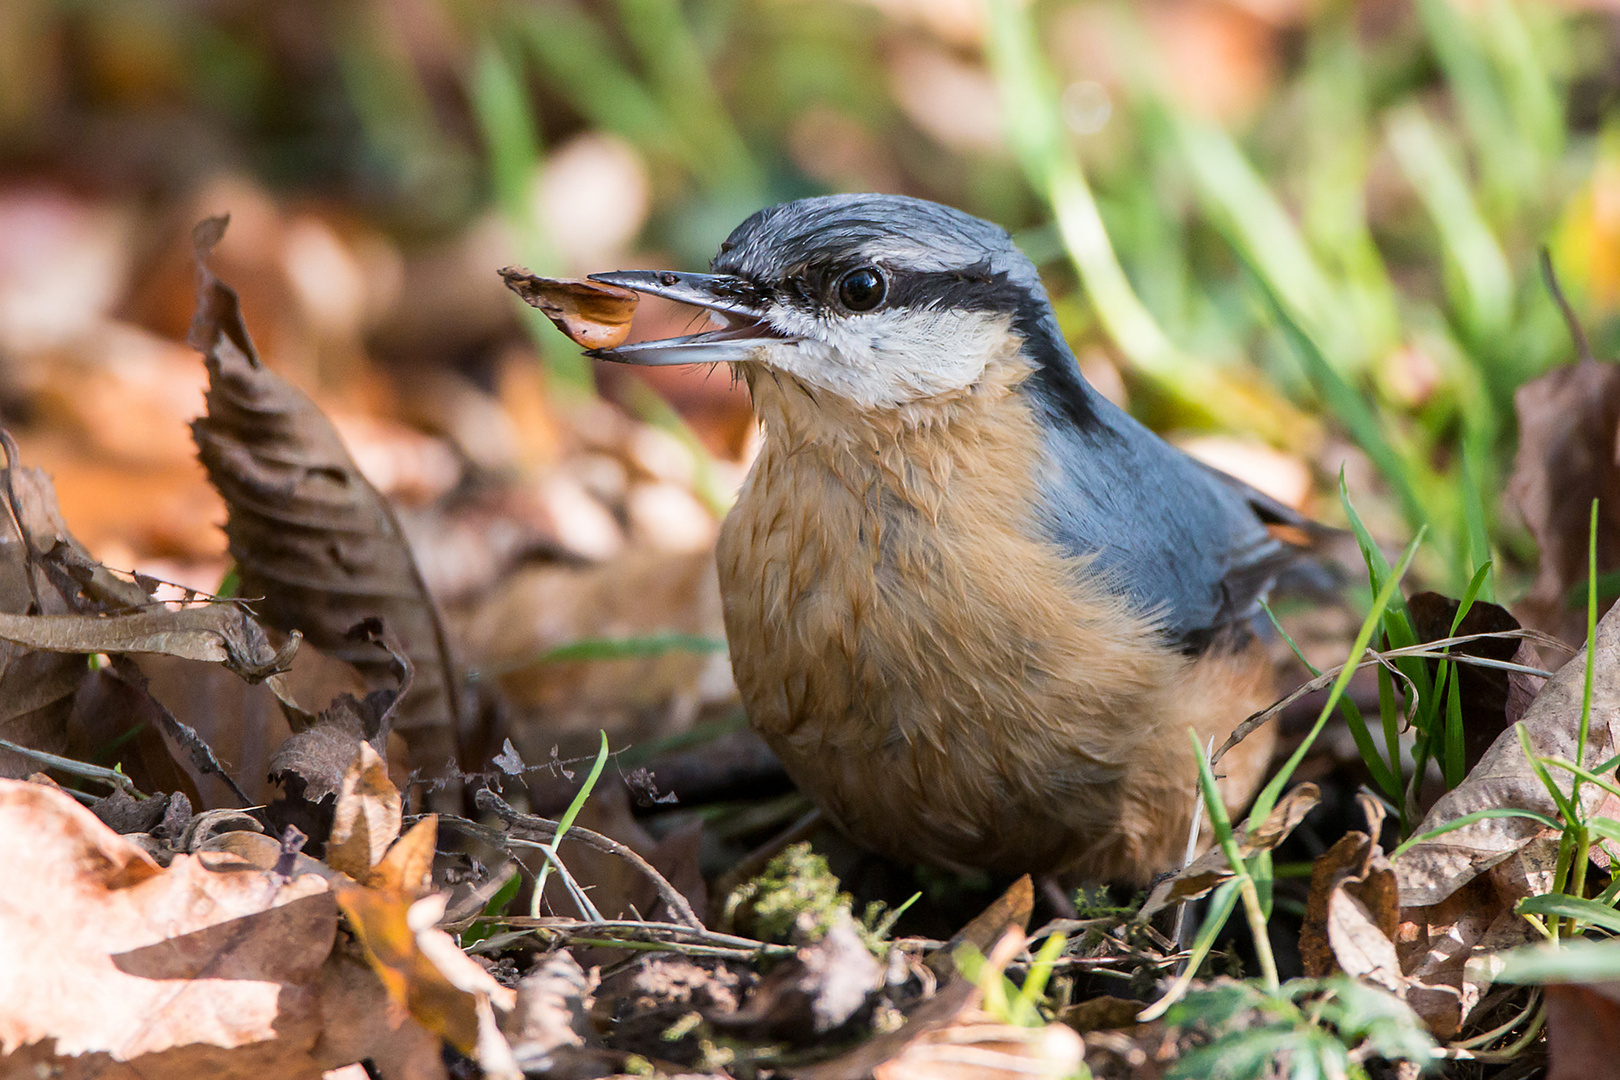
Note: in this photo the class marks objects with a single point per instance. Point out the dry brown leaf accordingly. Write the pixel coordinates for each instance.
(1212, 867)
(1441, 946)
(36, 688)
(359, 1021)
(1011, 910)
(551, 1020)
(36, 697)
(976, 1047)
(309, 534)
(107, 708)
(1353, 914)
(206, 969)
(1569, 427)
(1354, 925)
(67, 578)
(1432, 870)
(76, 606)
(593, 315)
(366, 819)
(216, 633)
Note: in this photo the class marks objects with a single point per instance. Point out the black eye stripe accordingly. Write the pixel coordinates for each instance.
(972, 288)
(969, 289)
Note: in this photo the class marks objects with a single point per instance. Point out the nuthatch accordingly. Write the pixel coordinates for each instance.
(972, 605)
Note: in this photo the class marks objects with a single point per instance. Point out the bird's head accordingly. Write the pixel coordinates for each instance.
(881, 299)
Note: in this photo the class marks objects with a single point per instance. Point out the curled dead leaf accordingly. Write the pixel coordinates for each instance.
(217, 633)
(1352, 914)
(309, 533)
(1212, 867)
(593, 315)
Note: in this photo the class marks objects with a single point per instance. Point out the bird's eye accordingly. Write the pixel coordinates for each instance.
(862, 289)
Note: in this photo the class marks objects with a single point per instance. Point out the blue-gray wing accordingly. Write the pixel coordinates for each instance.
(1187, 542)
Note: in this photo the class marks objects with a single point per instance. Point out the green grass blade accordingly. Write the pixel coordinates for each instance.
(1266, 801)
(1469, 819)
(1351, 410)
(1591, 641)
(679, 75)
(1575, 962)
(580, 64)
(1476, 526)
(1255, 222)
(605, 649)
(1473, 253)
(1384, 773)
(1572, 907)
(567, 820)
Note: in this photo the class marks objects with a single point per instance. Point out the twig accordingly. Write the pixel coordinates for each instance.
(77, 768)
(545, 829)
(627, 933)
(1426, 651)
(575, 891)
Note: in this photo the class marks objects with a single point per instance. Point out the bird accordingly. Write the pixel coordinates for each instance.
(972, 605)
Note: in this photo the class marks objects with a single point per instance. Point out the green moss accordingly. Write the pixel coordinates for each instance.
(796, 900)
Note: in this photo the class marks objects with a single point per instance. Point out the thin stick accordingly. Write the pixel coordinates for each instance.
(544, 829)
(628, 934)
(575, 891)
(77, 768)
(1425, 650)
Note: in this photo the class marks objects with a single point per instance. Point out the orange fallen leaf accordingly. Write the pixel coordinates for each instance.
(407, 868)
(593, 315)
(423, 970)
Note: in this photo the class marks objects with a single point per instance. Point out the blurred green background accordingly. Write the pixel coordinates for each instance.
(1311, 225)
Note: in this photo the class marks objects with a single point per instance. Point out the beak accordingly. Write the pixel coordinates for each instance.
(735, 300)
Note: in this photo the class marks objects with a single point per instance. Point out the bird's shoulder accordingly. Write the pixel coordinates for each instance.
(1184, 540)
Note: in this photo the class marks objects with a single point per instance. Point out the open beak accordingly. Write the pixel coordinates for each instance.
(734, 300)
